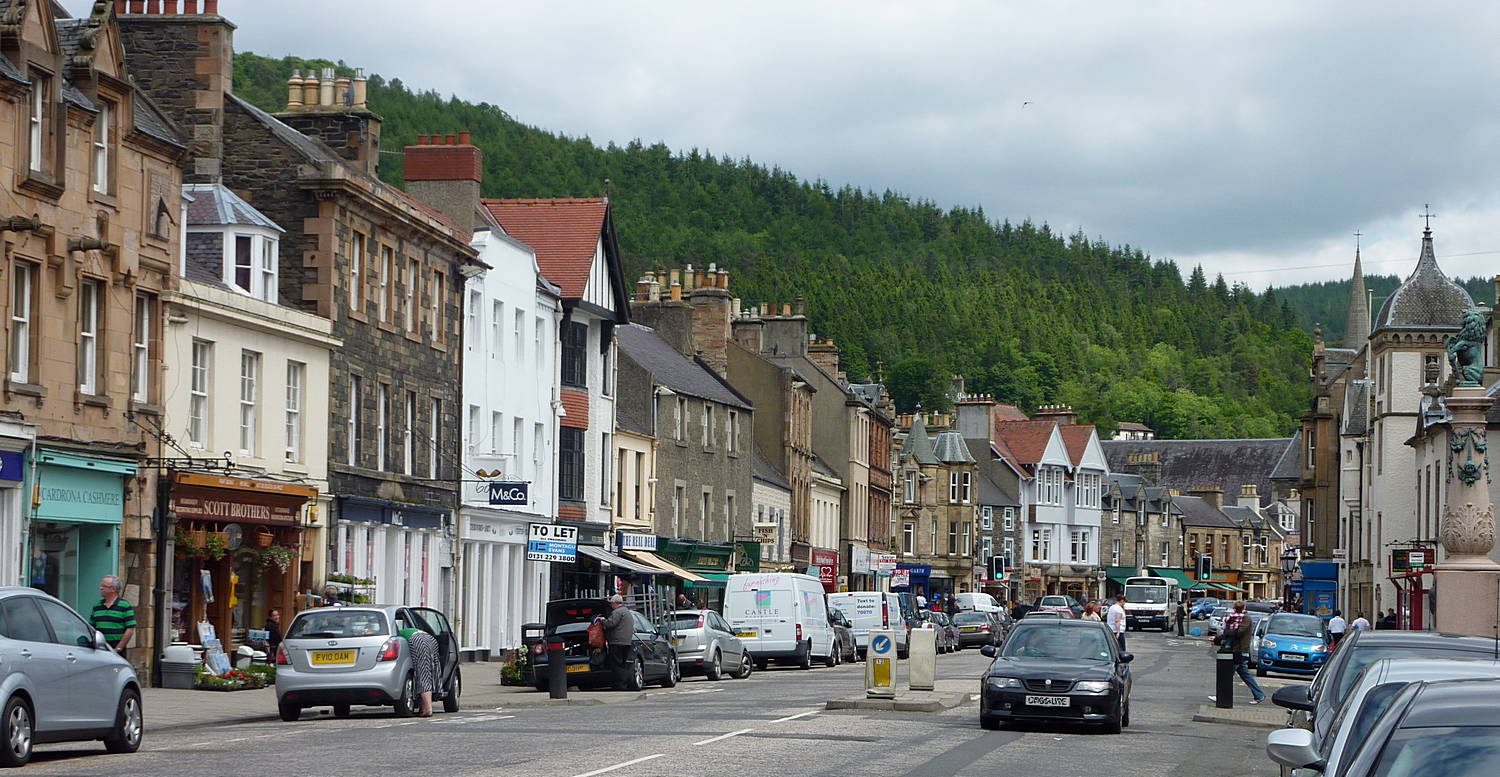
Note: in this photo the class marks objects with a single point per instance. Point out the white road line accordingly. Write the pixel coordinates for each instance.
(620, 765)
(711, 740)
(794, 717)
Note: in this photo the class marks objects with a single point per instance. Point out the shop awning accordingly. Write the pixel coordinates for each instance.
(1120, 580)
(714, 580)
(1227, 587)
(604, 556)
(1184, 580)
(647, 557)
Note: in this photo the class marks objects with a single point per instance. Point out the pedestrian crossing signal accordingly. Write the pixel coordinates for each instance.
(1205, 568)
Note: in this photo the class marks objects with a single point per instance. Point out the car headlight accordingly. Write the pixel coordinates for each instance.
(1092, 686)
(1002, 682)
(1320, 648)
(1267, 643)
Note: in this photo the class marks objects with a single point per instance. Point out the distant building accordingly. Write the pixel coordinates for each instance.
(1130, 430)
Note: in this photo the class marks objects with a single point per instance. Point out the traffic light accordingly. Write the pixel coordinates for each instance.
(997, 567)
(1205, 567)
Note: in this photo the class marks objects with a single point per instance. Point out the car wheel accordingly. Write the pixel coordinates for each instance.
(341, 710)
(989, 723)
(1112, 726)
(455, 688)
(408, 703)
(638, 676)
(16, 732)
(804, 661)
(715, 670)
(288, 712)
(674, 673)
(832, 659)
(129, 724)
(746, 665)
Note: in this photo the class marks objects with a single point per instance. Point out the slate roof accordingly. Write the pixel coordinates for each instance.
(671, 369)
(1357, 406)
(1076, 440)
(9, 70)
(1197, 512)
(1129, 488)
(1427, 299)
(917, 445)
(763, 470)
(869, 393)
(1131, 426)
(821, 467)
(1289, 466)
(992, 493)
(564, 231)
(213, 204)
(1187, 464)
(310, 149)
(949, 448)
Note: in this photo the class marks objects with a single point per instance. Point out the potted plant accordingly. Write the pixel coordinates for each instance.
(216, 544)
(279, 555)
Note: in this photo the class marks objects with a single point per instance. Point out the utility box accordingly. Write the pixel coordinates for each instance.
(921, 668)
(880, 665)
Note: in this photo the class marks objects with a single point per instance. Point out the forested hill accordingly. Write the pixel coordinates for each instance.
(910, 290)
(1326, 304)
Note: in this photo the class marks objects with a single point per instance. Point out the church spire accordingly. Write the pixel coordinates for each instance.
(1357, 328)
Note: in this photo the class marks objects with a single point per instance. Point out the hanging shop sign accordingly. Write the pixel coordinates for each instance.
(548, 542)
(626, 540)
(510, 493)
(765, 533)
(885, 563)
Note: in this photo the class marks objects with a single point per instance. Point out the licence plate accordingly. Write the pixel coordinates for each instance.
(1047, 701)
(574, 668)
(969, 628)
(1293, 657)
(744, 634)
(676, 641)
(326, 657)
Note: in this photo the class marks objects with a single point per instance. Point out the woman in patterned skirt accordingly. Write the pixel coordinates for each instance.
(424, 659)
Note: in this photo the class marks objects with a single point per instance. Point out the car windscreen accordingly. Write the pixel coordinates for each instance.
(971, 617)
(1441, 751)
(1219, 612)
(1146, 594)
(338, 624)
(1295, 626)
(1061, 642)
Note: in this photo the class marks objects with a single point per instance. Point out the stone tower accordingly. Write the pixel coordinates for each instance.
(1357, 328)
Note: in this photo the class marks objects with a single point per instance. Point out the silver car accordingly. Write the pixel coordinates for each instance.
(60, 680)
(706, 644)
(1216, 619)
(343, 656)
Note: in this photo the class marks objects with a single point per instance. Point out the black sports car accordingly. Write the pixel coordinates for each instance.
(1057, 669)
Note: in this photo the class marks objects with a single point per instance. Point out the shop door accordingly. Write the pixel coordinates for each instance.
(54, 561)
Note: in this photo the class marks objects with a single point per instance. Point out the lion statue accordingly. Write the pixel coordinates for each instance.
(1466, 349)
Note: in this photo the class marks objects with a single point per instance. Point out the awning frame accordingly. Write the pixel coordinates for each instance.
(649, 558)
(600, 554)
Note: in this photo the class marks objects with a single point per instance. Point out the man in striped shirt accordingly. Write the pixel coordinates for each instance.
(113, 616)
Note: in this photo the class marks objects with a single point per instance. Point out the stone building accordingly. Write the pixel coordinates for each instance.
(937, 518)
(1140, 530)
(384, 268)
(772, 498)
(91, 234)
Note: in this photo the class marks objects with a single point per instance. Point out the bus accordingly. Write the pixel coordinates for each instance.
(1151, 601)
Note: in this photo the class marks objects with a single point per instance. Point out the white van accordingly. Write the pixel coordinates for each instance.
(976, 600)
(780, 617)
(872, 611)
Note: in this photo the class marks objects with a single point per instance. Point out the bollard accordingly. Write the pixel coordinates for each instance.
(1224, 681)
(921, 665)
(557, 669)
(880, 665)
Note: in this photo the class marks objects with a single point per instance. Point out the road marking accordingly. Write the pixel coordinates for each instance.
(973, 697)
(620, 765)
(794, 717)
(711, 740)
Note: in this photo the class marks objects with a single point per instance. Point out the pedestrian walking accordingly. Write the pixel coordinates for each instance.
(1359, 624)
(1116, 620)
(1336, 627)
(1091, 612)
(112, 616)
(424, 664)
(952, 605)
(921, 602)
(1236, 635)
(619, 633)
(1181, 618)
(1389, 621)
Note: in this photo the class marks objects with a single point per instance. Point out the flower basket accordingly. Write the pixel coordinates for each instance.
(280, 556)
(233, 680)
(215, 544)
(264, 537)
(197, 537)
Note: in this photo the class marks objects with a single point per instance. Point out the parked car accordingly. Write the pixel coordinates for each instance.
(706, 645)
(1445, 728)
(947, 635)
(1055, 602)
(1256, 633)
(977, 600)
(1216, 619)
(653, 659)
(1203, 607)
(1050, 612)
(1374, 689)
(843, 638)
(780, 617)
(872, 611)
(1319, 701)
(343, 656)
(60, 681)
(1293, 644)
(1055, 669)
(978, 628)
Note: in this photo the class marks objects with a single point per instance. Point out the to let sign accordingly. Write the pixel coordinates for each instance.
(546, 542)
(509, 494)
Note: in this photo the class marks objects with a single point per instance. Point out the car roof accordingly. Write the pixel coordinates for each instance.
(1454, 703)
(1400, 638)
(386, 608)
(1065, 623)
(1391, 670)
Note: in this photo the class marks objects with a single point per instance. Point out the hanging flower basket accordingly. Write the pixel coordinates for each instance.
(264, 537)
(215, 544)
(279, 556)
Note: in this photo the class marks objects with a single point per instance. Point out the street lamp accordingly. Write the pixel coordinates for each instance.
(1288, 568)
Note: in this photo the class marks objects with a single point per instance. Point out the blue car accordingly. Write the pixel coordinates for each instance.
(1202, 607)
(1294, 644)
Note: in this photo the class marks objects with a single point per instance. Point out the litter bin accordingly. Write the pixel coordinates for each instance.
(178, 674)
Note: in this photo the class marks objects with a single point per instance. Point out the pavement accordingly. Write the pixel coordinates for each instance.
(775, 723)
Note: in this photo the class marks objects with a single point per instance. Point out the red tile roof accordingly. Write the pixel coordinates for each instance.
(1006, 412)
(1076, 438)
(1027, 440)
(565, 232)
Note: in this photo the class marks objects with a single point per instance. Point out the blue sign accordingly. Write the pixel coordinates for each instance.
(881, 644)
(916, 570)
(11, 465)
(509, 494)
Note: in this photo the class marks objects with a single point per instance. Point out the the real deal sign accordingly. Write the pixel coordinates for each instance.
(547, 542)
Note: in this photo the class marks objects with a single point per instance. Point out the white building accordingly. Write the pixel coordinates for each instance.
(510, 368)
(771, 500)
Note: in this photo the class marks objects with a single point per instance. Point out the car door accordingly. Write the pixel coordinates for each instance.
(31, 651)
(732, 648)
(436, 624)
(91, 672)
(655, 650)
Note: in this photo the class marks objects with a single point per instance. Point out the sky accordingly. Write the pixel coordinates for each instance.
(1253, 138)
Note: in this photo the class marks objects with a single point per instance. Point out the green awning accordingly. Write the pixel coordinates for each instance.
(1228, 587)
(1120, 580)
(715, 580)
(1184, 580)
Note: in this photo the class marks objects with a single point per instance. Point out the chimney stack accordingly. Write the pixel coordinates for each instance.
(1062, 414)
(749, 330)
(333, 110)
(712, 313)
(824, 354)
(1250, 496)
(446, 176)
(1213, 495)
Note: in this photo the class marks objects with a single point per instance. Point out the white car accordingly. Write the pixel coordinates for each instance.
(976, 600)
(1216, 619)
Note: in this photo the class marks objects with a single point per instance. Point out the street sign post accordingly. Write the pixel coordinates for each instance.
(880, 666)
(549, 542)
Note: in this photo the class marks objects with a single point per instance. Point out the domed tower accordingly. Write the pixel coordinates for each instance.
(1406, 353)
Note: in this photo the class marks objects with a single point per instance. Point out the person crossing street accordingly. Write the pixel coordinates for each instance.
(1236, 634)
(1116, 620)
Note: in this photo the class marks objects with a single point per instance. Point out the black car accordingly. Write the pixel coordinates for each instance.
(653, 660)
(843, 637)
(978, 628)
(1057, 669)
(1449, 728)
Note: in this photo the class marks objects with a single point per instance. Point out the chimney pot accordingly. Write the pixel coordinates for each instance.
(294, 90)
(786, 310)
(450, 140)
(463, 139)
(801, 306)
(211, 7)
(421, 140)
(675, 280)
(341, 93)
(676, 290)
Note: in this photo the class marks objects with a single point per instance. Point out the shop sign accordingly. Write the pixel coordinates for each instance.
(11, 465)
(765, 533)
(824, 557)
(77, 495)
(548, 542)
(239, 506)
(859, 559)
(510, 493)
(885, 563)
(827, 575)
(629, 540)
(915, 570)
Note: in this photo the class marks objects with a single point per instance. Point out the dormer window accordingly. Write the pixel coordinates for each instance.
(250, 264)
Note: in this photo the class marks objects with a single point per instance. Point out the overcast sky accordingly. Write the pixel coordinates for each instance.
(1254, 138)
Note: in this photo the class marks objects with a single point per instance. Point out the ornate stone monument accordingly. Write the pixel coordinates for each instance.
(1467, 581)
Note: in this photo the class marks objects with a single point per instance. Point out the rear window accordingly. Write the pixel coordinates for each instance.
(685, 620)
(855, 606)
(338, 624)
(971, 617)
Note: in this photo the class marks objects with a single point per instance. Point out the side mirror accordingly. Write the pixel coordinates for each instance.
(100, 643)
(1294, 697)
(1126, 658)
(988, 651)
(1293, 748)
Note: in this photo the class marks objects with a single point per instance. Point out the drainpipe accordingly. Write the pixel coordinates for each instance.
(165, 553)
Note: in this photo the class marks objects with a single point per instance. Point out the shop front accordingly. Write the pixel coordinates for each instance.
(825, 567)
(15, 439)
(240, 549)
(711, 561)
(73, 540)
(913, 578)
(861, 569)
(500, 589)
(396, 552)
